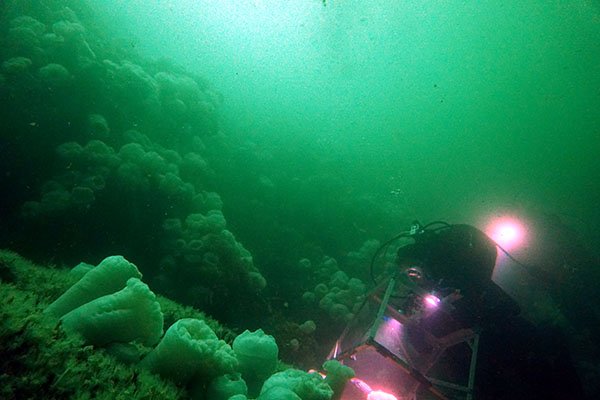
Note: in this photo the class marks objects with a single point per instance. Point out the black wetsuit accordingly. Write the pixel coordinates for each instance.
(516, 360)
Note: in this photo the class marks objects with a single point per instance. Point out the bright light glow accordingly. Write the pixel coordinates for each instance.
(432, 301)
(507, 232)
(372, 394)
(379, 395)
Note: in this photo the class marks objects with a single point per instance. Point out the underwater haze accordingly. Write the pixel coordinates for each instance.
(457, 108)
(202, 168)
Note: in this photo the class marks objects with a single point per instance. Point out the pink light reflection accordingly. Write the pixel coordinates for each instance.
(336, 350)
(372, 394)
(362, 385)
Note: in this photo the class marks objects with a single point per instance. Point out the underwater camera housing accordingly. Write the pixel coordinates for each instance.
(416, 336)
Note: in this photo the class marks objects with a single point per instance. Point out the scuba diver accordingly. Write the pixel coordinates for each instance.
(516, 359)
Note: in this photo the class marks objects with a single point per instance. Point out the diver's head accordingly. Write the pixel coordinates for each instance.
(457, 256)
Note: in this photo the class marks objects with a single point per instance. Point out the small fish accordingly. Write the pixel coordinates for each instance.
(33, 124)
(397, 192)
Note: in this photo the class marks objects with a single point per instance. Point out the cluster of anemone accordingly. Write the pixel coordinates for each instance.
(49, 48)
(338, 295)
(111, 308)
(61, 53)
(137, 167)
(86, 170)
(202, 254)
(127, 145)
(175, 106)
(356, 262)
(198, 251)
